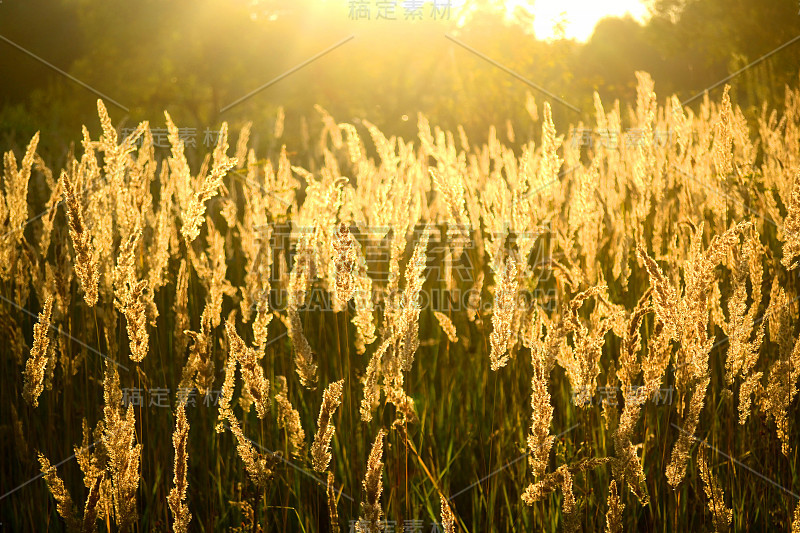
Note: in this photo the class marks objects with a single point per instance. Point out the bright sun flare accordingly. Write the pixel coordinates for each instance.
(580, 16)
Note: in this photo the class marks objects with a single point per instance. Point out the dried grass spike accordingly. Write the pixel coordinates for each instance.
(320, 449)
(447, 326)
(615, 508)
(37, 362)
(177, 495)
(371, 511)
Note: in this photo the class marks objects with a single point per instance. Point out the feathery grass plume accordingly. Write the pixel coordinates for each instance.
(538, 491)
(384, 146)
(177, 495)
(332, 511)
(791, 226)
(86, 267)
(530, 106)
(241, 145)
(124, 194)
(279, 119)
(364, 320)
(372, 391)
(280, 186)
(448, 519)
(226, 394)
(449, 182)
(567, 274)
(92, 459)
(330, 128)
(410, 307)
(64, 503)
(629, 364)
(539, 440)
(685, 319)
(255, 384)
(396, 353)
(112, 396)
(780, 392)
(665, 297)
(180, 309)
(299, 280)
(657, 356)
(257, 283)
(628, 467)
(447, 326)
(676, 469)
(474, 300)
(796, 521)
(198, 371)
(562, 478)
(129, 297)
(749, 387)
(699, 277)
(495, 213)
(585, 218)
(15, 184)
(211, 267)
(715, 494)
(91, 509)
(582, 362)
(569, 507)
(397, 247)
(163, 229)
(261, 323)
(14, 206)
(123, 455)
(255, 236)
(259, 466)
(37, 362)
(550, 162)
(342, 266)
(353, 142)
(743, 353)
(722, 137)
(505, 301)
(192, 216)
(249, 523)
(289, 418)
(397, 396)
(779, 318)
(371, 511)
(180, 177)
(320, 449)
(615, 508)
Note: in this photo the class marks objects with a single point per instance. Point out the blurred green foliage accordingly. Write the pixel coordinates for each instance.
(194, 58)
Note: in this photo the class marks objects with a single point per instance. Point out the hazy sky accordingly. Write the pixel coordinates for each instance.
(581, 15)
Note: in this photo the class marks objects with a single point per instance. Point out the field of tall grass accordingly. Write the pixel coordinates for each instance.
(598, 330)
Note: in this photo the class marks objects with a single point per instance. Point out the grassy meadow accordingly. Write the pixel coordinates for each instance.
(594, 331)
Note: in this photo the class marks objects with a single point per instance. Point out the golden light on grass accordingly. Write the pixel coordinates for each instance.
(455, 340)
